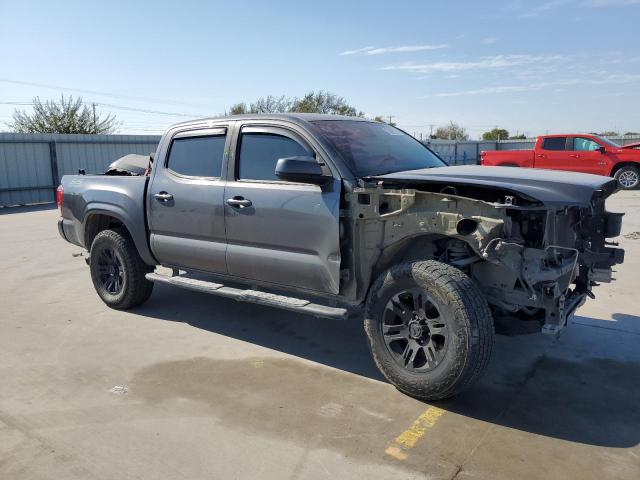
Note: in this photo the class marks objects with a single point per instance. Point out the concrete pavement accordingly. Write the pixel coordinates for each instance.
(193, 386)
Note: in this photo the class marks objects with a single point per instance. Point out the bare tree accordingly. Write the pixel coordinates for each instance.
(312, 102)
(453, 131)
(66, 116)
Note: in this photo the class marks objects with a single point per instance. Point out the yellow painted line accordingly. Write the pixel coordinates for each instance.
(407, 439)
(395, 452)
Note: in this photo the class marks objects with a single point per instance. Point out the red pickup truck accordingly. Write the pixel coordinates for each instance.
(576, 153)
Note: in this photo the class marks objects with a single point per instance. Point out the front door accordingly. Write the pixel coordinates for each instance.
(279, 232)
(587, 157)
(186, 213)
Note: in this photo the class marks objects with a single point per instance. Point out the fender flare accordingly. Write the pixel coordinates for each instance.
(136, 227)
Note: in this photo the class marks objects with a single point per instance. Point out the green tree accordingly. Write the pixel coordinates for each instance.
(522, 136)
(453, 131)
(66, 116)
(609, 134)
(312, 102)
(238, 109)
(380, 118)
(324, 102)
(496, 134)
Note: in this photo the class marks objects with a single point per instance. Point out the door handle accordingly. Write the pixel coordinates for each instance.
(574, 155)
(163, 196)
(239, 202)
(541, 155)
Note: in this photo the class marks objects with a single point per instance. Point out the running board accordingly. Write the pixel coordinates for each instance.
(251, 296)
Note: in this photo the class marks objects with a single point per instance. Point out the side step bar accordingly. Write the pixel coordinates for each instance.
(252, 296)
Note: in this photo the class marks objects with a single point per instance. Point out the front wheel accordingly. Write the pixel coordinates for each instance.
(628, 177)
(429, 328)
(117, 271)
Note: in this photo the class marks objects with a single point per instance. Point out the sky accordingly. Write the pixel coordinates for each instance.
(530, 67)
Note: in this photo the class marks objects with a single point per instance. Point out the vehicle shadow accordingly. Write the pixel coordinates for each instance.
(27, 208)
(533, 384)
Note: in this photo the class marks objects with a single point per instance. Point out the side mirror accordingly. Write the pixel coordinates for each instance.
(601, 149)
(301, 169)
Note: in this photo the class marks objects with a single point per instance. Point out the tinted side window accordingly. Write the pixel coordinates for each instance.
(554, 143)
(197, 156)
(584, 145)
(259, 153)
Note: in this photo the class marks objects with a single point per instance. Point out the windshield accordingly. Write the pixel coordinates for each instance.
(372, 148)
(608, 142)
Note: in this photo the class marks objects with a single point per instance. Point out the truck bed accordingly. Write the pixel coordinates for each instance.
(507, 158)
(122, 197)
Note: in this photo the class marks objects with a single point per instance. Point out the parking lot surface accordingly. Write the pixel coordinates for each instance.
(194, 386)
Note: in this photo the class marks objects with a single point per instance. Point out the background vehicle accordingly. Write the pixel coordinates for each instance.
(575, 153)
(334, 216)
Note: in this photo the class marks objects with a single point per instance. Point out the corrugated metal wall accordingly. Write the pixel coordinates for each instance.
(31, 165)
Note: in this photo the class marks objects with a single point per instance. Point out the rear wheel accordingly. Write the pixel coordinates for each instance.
(429, 328)
(628, 177)
(117, 271)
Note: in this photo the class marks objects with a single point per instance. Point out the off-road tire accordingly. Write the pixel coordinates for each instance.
(631, 172)
(463, 309)
(135, 288)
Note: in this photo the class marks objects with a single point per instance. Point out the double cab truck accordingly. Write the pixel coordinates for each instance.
(343, 217)
(575, 153)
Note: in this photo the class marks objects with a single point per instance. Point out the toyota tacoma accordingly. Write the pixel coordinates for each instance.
(340, 217)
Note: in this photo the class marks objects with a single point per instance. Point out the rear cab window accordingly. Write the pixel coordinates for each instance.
(198, 155)
(259, 152)
(554, 143)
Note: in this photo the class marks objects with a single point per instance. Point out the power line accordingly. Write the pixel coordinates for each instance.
(96, 92)
(121, 107)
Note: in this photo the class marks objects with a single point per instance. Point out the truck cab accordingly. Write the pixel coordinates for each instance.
(216, 204)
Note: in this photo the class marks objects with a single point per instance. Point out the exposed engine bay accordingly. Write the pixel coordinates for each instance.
(535, 263)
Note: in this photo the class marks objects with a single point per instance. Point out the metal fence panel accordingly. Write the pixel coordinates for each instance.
(31, 165)
(25, 173)
(95, 157)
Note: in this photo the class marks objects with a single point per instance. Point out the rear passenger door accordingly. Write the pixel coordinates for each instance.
(186, 213)
(284, 233)
(553, 154)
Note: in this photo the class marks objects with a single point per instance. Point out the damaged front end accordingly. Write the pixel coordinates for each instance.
(535, 263)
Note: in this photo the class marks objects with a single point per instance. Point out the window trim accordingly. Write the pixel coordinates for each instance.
(573, 143)
(209, 132)
(566, 140)
(271, 130)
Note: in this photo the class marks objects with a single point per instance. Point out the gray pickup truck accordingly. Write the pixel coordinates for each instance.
(340, 217)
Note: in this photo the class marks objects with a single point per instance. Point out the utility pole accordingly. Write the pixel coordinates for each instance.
(431, 130)
(95, 129)
(390, 117)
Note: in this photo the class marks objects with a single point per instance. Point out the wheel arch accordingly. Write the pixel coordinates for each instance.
(620, 165)
(415, 247)
(98, 218)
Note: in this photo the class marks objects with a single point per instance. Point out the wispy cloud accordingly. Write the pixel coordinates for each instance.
(543, 8)
(484, 63)
(554, 4)
(611, 3)
(357, 51)
(610, 79)
(489, 40)
(489, 90)
(400, 49)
